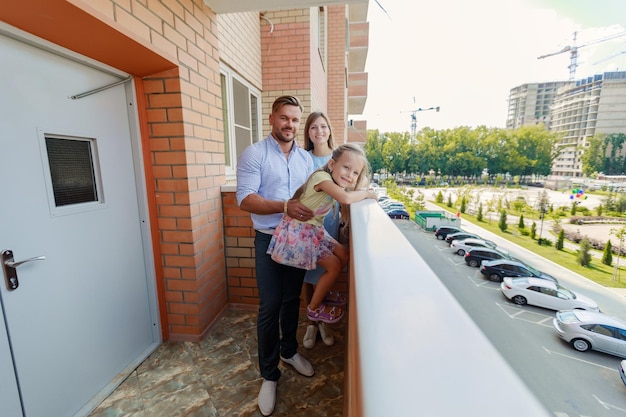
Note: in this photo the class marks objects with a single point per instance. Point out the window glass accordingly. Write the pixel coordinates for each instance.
(549, 291)
(241, 115)
(602, 329)
(71, 171)
(621, 334)
(321, 35)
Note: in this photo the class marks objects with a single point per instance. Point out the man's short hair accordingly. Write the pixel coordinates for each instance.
(286, 101)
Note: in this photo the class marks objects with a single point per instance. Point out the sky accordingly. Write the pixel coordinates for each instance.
(464, 56)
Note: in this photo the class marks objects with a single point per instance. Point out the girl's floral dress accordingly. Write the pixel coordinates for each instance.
(301, 244)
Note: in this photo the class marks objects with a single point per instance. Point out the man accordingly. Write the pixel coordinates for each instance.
(268, 173)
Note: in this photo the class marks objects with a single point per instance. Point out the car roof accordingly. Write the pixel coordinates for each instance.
(474, 240)
(596, 317)
(535, 281)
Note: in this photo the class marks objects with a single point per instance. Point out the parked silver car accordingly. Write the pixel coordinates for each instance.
(586, 330)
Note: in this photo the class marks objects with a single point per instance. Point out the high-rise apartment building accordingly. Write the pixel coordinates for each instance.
(590, 106)
(529, 104)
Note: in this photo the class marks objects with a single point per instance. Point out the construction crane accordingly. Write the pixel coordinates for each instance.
(414, 118)
(573, 51)
(609, 57)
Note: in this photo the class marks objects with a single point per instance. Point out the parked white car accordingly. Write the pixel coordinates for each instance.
(462, 246)
(544, 293)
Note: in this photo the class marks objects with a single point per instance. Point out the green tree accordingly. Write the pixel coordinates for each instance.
(449, 204)
(439, 197)
(584, 252)
(519, 204)
(604, 153)
(593, 155)
(560, 243)
(395, 151)
(533, 230)
(464, 152)
(521, 224)
(502, 223)
(599, 210)
(534, 150)
(607, 255)
(374, 150)
(479, 215)
(463, 205)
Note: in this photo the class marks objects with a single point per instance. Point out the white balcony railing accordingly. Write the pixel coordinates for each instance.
(412, 349)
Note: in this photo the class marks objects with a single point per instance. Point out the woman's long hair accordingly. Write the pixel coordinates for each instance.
(308, 143)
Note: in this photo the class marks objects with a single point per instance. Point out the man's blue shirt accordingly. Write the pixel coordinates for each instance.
(263, 169)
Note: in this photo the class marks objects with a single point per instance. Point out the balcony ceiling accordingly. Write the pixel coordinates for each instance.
(233, 6)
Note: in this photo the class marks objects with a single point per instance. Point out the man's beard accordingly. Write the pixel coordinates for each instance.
(278, 135)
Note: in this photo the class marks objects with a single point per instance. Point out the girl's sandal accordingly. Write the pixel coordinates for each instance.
(325, 313)
(335, 298)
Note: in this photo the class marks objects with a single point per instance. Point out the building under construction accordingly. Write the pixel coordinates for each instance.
(577, 109)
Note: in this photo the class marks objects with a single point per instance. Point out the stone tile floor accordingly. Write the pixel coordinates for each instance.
(219, 377)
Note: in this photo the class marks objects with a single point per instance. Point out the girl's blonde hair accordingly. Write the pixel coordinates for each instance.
(361, 181)
(308, 143)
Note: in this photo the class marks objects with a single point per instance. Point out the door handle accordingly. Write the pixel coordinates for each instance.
(9, 266)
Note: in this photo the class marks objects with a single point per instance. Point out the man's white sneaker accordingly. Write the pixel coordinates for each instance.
(326, 332)
(300, 364)
(267, 397)
(310, 336)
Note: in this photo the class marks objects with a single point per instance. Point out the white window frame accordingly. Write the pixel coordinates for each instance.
(254, 127)
(56, 211)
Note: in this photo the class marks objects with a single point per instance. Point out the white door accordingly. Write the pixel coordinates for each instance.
(85, 315)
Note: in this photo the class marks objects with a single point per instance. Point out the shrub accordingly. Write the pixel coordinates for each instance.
(584, 252)
(502, 223)
(607, 256)
(521, 224)
(561, 240)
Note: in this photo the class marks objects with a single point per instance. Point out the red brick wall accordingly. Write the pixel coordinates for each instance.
(239, 238)
(286, 60)
(186, 157)
(337, 72)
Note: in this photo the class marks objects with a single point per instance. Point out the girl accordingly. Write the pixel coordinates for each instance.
(318, 140)
(305, 244)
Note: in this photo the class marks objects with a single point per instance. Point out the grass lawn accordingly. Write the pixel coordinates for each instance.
(596, 271)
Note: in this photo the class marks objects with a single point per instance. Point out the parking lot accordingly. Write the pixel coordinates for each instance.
(567, 382)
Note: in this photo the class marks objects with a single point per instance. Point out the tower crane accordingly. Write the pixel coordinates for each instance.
(414, 118)
(609, 57)
(573, 51)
